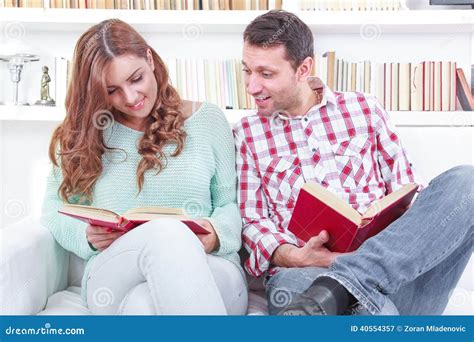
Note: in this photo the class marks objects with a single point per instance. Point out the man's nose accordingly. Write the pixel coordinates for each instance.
(253, 85)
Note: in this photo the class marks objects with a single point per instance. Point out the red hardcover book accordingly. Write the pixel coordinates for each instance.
(130, 219)
(319, 209)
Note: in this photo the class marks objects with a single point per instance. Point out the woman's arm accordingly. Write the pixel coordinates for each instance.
(68, 232)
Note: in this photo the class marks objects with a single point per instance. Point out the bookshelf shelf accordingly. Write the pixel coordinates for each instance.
(411, 119)
(416, 21)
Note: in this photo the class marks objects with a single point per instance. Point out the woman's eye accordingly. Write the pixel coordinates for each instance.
(111, 91)
(139, 78)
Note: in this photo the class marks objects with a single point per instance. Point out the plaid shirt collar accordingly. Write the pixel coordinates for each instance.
(278, 118)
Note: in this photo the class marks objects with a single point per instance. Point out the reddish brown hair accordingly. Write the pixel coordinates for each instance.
(77, 145)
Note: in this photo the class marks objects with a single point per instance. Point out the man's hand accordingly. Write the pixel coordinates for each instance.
(313, 253)
(101, 237)
(209, 241)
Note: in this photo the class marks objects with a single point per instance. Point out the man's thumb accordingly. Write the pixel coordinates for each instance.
(320, 239)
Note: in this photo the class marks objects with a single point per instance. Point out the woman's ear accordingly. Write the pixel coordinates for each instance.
(149, 58)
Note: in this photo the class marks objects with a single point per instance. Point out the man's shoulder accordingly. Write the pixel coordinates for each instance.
(248, 122)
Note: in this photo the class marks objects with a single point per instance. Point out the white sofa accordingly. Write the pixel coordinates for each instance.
(40, 277)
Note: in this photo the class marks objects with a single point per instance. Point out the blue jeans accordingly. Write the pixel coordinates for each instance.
(411, 267)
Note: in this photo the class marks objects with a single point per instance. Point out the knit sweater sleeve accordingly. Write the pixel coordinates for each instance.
(225, 217)
(68, 232)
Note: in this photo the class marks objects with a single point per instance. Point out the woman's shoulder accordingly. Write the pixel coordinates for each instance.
(206, 111)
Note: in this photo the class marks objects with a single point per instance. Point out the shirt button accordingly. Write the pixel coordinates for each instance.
(305, 119)
(313, 149)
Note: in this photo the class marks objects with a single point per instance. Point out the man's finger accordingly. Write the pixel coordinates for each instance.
(319, 240)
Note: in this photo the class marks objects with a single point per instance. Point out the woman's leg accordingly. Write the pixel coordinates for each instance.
(166, 255)
(227, 277)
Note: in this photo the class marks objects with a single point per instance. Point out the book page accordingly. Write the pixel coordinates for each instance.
(333, 201)
(385, 202)
(155, 210)
(90, 212)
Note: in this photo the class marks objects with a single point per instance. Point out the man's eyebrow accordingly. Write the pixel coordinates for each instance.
(260, 67)
(129, 77)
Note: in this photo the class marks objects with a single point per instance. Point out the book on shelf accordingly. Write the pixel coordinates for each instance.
(399, 86)
(207, 5)
(351, 5)
(464, 94)
(130, 219)
(318, 209)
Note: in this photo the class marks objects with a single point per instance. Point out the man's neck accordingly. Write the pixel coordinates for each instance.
(311, 98)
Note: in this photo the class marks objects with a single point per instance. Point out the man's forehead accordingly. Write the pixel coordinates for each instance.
(264, 55)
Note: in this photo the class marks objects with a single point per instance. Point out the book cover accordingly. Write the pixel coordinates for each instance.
(318, 209)
(129, 220)
(463, 92)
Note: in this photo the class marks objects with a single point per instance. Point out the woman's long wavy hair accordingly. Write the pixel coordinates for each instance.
(77, 145)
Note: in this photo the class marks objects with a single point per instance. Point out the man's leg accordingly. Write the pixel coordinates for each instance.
(422, 254)
(288, 283)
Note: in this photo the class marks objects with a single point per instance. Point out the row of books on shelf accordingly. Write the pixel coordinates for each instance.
(148, 4)
(350, 5)
(425, 86)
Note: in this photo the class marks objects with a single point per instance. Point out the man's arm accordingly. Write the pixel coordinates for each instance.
(394, 165)
(261, 235)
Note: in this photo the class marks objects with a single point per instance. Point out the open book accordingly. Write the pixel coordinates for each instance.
(130, 219)
(318, 209)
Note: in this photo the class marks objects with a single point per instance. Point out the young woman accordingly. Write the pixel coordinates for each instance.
(127, 141)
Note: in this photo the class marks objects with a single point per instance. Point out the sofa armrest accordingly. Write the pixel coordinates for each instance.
(32, 267)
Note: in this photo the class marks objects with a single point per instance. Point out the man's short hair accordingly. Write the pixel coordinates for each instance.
(279, 27)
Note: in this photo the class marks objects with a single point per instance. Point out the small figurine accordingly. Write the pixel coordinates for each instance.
(46, 100)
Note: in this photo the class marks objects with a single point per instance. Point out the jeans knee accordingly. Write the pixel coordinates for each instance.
(460, 176)
(167, 231)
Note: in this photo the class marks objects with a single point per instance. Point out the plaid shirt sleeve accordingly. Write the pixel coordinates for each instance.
(261, 235)
(394, 165)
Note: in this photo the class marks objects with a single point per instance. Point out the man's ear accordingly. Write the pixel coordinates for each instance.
(305, 68)
(149, 58)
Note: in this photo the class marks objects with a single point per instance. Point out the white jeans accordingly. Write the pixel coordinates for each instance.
(160, 268)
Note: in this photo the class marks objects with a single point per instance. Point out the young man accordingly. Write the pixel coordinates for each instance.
(304, 132)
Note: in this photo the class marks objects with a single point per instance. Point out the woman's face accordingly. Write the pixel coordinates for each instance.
(132, 88)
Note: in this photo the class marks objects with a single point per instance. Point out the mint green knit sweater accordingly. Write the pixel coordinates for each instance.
(201, 180)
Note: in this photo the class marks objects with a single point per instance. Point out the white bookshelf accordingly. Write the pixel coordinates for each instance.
(435, 140)
(404, 21)
(399, 118)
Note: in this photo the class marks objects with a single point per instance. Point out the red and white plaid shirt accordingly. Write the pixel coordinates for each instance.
(346, 143)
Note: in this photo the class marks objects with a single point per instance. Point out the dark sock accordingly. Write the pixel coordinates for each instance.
(343, 298)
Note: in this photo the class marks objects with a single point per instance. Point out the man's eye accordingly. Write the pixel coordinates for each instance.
(266, 74)
(247, 71)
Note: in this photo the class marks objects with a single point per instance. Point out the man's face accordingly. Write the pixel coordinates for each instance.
(270, 79)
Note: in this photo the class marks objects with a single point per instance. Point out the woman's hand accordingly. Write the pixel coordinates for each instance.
(101, 237)
(209, 241)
